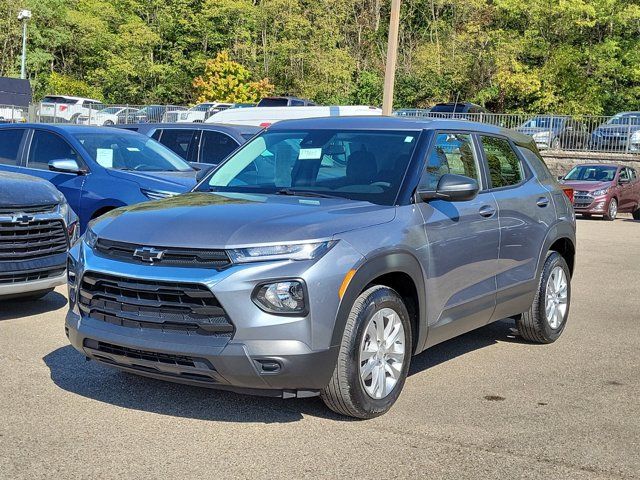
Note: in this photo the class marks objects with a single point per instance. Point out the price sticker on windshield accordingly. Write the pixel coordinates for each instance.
(104, 157)
(310, 154)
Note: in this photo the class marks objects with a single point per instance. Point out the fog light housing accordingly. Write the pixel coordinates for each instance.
(285, 297)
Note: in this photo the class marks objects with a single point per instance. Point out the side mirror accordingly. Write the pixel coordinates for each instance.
(453, 188)
(66, 165)
(202, 169)
(623, 181)
(560, 178)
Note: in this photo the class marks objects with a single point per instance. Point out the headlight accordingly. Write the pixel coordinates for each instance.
(157, 194)
(63, 209)
(300, 251)
(602, 191)
(285, 297)
(90, 237)
(541, 135)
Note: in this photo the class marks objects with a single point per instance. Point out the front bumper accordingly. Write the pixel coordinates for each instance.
(282, 368)
(590, 205)
(268, 354)
(15, 289)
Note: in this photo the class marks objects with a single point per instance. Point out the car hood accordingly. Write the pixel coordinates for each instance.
(586, 186)
(207, 220)
(24, 190)
(178, 182)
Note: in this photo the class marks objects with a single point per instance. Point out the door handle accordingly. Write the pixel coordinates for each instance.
(487, 211)
(542, 202)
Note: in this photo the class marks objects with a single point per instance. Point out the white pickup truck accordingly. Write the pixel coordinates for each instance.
(65, 109)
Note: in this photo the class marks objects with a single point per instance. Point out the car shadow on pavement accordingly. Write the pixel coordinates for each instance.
(501, 331)
(72, 373)
(18, 308)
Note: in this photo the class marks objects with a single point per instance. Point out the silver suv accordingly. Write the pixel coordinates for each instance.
(325, 253)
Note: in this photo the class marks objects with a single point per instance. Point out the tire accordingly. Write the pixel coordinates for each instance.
(108, 123)
(555, 144)
(346, 393)
(74, 118)
(612, 210)
(534, 324)
(586, 215)
(636, 213)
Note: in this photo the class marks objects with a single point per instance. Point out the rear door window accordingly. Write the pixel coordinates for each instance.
(505, 168)
(216, 146)
(179, 140)
(10, 140)
(452, 153)
(47, 146)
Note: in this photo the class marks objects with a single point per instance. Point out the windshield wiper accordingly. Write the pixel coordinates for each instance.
(302, 193)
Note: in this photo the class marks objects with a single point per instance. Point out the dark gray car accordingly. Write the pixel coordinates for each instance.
(323, 254)
(36, 229)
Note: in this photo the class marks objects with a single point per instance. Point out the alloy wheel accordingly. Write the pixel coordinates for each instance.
(556, 297)
(382, 353)
(613, 209)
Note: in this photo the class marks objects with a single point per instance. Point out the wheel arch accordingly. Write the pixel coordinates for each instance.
(399, 271)
(561, 238)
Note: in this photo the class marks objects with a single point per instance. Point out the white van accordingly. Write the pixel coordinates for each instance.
(265, 116)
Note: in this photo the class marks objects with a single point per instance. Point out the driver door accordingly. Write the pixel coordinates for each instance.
(461, 255)
(46, 146)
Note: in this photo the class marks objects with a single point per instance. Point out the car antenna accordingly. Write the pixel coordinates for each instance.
(455, 104)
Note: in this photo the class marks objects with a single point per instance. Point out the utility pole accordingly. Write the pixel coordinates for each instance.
(392, 56)
(24, 16)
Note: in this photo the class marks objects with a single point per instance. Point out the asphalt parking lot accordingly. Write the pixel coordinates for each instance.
(486, 405)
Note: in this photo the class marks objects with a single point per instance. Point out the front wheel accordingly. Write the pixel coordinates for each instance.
(612, 211)
(544, 322)
(374, 356)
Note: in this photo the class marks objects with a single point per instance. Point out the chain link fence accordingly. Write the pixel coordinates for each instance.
(618, 134)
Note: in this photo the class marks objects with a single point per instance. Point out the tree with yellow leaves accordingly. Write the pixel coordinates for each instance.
(227, 81)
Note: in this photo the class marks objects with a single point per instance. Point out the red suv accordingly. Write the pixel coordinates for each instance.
(605, 189)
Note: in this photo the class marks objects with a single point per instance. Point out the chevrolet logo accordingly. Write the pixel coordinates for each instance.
(22, 219)
(148, 254)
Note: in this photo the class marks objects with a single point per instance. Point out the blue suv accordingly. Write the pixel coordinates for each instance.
(97, 169)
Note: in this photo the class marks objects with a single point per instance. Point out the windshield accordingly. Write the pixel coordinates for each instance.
(51, 99)
(359, 165)
(591, 173)
(273, 102)
(625, 119)
(544, 122)
(126, 151)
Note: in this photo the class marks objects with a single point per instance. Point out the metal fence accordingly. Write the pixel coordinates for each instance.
(619, 134)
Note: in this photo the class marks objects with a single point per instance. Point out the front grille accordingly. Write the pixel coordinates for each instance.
(38, 238)
(136, 354)
(30, 276)
(32, 209)
(181, 257)
(582, 199)
(171, 307)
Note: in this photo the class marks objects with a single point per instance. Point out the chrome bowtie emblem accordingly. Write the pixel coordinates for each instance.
(23, 219)
(148, 254)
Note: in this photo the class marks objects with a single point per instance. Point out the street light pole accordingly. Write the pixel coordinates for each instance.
(24, 16)
(392, 56)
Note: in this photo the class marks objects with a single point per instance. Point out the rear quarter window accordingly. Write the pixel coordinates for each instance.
(536, 162)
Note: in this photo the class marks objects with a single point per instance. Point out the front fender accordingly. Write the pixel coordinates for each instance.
(367, 272)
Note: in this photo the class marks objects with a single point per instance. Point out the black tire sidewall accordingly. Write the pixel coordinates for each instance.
(553, 260)
(377, 300)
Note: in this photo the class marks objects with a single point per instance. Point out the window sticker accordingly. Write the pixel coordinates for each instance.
(133, 149)
(408, 139)
(104, 157)
(310, 154)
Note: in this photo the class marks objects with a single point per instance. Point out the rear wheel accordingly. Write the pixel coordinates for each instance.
(544, 322)
(374, 356)
(636, 213)
(612, 211)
